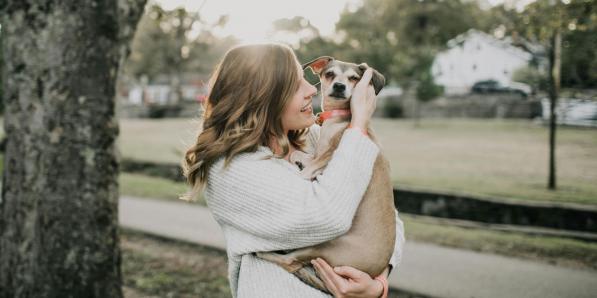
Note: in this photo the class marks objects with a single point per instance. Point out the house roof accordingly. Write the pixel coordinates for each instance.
(506, 44)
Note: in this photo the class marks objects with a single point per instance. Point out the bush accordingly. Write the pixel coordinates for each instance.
(392, 109)
(531, 76)
(164, 111)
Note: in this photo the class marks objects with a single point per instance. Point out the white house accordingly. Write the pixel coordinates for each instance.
(162, 94)
(475, 56)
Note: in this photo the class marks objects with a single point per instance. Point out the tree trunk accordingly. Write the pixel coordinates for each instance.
(59, 204)
(554, 90)
(416, 113)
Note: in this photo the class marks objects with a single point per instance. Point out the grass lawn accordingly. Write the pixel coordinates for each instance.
(145, 186)
(484, 157)
(154, 267)
(553, 250)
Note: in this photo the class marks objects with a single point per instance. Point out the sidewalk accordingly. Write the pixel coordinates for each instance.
(426, 269)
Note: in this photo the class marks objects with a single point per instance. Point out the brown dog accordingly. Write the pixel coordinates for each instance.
(369, 243)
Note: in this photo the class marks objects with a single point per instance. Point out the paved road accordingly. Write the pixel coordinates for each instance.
(426, 269)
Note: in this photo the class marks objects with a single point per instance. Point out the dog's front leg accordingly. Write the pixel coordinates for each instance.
(289, 263)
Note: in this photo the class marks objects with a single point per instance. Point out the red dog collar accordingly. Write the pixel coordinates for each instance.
(321, 117)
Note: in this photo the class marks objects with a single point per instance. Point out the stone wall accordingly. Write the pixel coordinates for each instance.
(466, 106)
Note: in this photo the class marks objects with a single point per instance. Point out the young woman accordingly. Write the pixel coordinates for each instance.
(258, 112)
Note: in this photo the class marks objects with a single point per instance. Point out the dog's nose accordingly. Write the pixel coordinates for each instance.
(339, 87)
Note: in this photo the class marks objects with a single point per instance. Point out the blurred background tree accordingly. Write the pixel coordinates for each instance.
(170, 44)
(426, 89)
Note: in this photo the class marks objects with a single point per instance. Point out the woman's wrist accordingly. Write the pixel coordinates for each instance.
(383, 281)
(359, 127)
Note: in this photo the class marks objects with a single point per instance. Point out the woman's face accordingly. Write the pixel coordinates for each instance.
(298, 113)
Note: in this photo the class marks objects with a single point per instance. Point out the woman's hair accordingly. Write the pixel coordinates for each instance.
(248, 92)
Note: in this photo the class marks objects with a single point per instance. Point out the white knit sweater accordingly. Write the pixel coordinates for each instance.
(264, 205)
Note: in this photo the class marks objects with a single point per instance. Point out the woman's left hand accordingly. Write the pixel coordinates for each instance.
(345, 281)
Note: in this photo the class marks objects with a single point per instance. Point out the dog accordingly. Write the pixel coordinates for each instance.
(369, 244)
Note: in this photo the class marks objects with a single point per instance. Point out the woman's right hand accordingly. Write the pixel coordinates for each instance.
(363, 101)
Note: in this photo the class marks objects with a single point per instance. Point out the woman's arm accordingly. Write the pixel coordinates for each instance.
(270, 203)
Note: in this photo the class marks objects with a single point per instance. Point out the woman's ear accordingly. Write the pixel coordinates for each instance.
(318, 64)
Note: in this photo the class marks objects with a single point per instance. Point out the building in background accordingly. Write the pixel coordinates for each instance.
(477, 56)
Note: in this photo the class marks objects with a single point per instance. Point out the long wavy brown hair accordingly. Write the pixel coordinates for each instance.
(248, 92)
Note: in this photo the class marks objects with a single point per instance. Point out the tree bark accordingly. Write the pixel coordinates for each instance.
(59, 204)
(554, 90)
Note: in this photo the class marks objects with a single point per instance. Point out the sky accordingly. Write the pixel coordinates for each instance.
(251, 20)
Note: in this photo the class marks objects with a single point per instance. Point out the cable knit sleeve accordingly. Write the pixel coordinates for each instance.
(268, 206)
(400, 239)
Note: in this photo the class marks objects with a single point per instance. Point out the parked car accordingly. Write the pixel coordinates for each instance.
(493, 86)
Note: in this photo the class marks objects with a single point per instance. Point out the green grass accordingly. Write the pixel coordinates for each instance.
(497, 158)
(162, 268)
(145, 186)
(160, 140)
(553, 250)
(484, 157)
(159, 188)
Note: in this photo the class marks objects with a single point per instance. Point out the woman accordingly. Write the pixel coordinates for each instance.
(259, 112)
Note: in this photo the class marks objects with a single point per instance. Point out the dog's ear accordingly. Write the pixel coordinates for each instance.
(318, 64)
(378, 80)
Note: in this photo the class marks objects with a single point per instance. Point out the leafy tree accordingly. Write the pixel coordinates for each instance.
(531, 76)
(577, 20)
(173, 43)
(397, 36)
(558, 25)
(426, 89)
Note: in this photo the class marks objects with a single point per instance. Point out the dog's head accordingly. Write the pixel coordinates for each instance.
(338, 80)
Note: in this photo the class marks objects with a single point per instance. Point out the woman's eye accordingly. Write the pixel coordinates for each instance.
(329, 74)
(353, 78)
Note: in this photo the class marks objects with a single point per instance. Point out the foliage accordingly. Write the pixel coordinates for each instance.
(531, 76)
(398, 36)
(174, 42)
(427, 89)
(392, 109)
(395, 37)
(577, 20)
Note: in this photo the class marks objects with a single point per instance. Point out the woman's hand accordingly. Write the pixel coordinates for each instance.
(363, 101)
(345, 281)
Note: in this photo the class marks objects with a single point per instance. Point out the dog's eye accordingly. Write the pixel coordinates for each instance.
(329, 74)
(353, 78)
